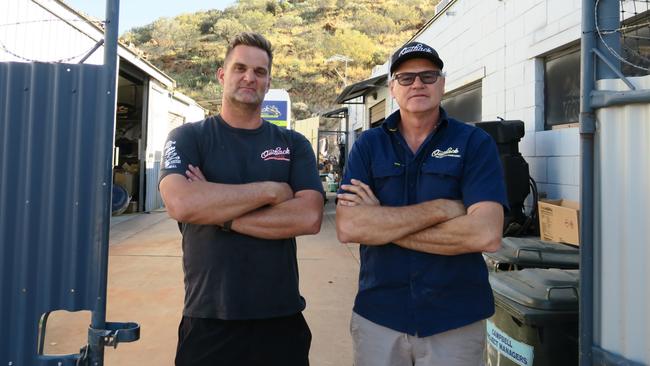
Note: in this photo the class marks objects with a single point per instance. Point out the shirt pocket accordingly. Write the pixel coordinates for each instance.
(440, 180)
(388, 182)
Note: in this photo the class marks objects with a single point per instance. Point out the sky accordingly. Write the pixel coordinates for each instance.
(135, 13)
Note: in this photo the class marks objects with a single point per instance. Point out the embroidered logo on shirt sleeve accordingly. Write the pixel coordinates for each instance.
(171, 158)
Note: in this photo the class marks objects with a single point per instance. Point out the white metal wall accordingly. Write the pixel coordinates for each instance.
(161, 104)
(186, 107)
(356, 117)
(157, 130)
(623, 226)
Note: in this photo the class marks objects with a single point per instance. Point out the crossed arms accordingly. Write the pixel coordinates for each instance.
(267, 210)
(439, 226)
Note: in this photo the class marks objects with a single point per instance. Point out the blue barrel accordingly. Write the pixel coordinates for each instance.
(120, 199)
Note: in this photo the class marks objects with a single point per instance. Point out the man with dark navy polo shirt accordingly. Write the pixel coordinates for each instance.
(243, 189)
(424, 195)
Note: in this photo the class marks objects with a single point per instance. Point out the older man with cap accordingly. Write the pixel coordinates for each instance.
(424, 195)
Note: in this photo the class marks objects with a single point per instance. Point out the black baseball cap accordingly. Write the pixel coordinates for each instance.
(414, 50)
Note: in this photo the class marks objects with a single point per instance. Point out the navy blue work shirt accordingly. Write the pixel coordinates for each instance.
(414, 292)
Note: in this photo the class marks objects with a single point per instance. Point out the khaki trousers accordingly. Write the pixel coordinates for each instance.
(376, 345)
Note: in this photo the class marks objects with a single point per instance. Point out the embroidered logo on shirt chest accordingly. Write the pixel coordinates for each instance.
(279, 153)
(450, 152)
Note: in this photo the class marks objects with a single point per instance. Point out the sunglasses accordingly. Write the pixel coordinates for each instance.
(426, 77)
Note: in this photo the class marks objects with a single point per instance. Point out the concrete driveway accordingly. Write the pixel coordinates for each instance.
(145, 285)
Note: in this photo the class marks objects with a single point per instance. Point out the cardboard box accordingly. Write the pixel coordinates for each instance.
(559, 221)
(126, 180)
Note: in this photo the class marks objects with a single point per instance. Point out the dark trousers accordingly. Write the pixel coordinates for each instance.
(213, 342)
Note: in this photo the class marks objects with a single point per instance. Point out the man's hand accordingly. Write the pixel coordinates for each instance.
(360, 194)
(194, 174)
(281, 191)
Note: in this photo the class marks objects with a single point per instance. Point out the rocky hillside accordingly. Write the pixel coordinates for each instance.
(306, 36)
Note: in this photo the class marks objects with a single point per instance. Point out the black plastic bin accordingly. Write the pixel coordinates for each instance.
(536, 318)
(532, 252)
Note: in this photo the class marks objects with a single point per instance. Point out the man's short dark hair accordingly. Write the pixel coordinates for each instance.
(253, 40)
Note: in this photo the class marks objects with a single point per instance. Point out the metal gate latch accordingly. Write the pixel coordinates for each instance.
(114, 333)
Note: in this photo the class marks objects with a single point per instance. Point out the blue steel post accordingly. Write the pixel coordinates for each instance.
(587, 129)
(106, 115)
(591, 70)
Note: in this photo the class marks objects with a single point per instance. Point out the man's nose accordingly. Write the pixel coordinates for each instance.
(249, 75)
(417, 82)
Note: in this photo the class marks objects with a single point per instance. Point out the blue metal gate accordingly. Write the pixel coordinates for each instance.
(56, 139)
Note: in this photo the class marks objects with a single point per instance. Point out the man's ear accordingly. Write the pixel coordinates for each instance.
(220, 74)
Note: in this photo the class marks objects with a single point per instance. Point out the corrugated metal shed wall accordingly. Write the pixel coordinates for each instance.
(623, 230)
(54, 198)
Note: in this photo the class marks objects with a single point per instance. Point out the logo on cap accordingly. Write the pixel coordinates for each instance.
(417, 48)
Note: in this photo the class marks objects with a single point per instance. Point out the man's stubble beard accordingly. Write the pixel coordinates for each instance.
(236, 102)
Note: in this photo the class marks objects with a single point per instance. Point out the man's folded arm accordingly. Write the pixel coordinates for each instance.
(207, 203)
(301, 215)
(377, 225)
(478, 231)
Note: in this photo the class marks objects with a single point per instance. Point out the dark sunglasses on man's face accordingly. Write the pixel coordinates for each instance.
(408, 78)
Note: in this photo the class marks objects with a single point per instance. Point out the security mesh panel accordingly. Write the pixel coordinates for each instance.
(633, 32)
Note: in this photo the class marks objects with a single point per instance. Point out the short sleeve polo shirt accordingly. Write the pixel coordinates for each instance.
(414, 292)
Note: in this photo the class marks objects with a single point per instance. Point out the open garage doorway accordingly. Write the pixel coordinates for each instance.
(130, 144)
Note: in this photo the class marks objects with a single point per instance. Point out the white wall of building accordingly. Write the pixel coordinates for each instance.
(357, 114)
(186, 107)
(503, 44)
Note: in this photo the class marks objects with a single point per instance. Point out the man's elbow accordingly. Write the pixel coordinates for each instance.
(345, 231)
(342, 236)
(177, 209)
(313, 223)
(347, 225)
(491, 243)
